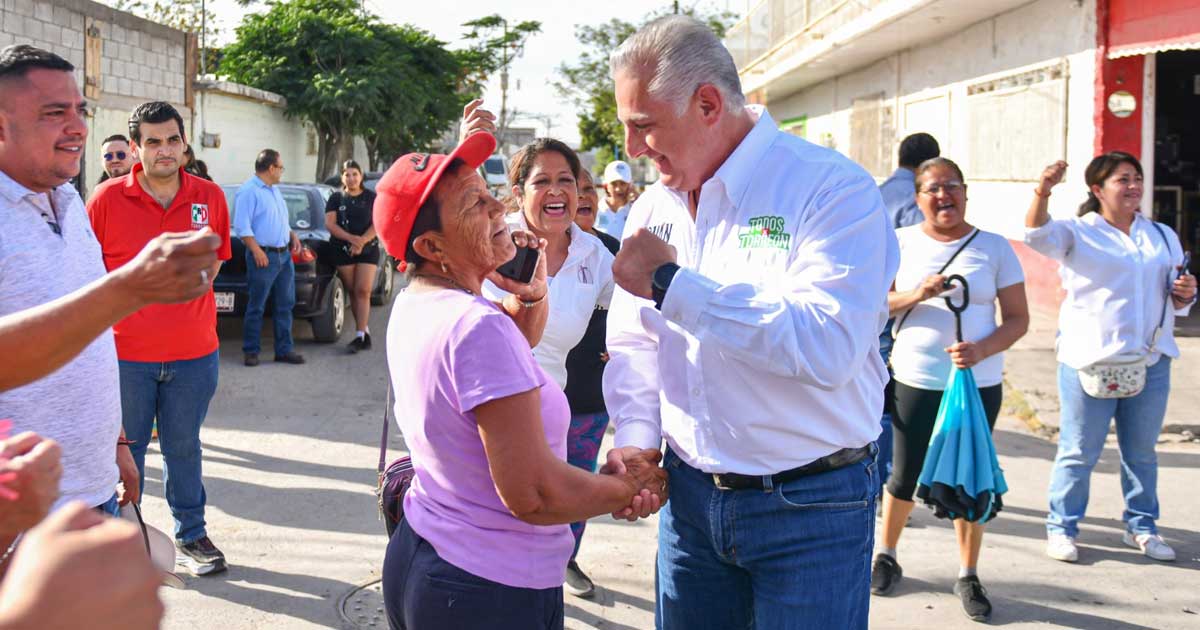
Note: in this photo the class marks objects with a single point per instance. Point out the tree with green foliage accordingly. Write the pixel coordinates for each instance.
(494, 46)
(589, 84)
(349, 74)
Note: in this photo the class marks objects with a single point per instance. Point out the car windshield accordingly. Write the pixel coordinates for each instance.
(300, 214)
(494, 166)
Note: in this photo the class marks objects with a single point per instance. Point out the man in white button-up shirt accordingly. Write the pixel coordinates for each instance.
(745, 332)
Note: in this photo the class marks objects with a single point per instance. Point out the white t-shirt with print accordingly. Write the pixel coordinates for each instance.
(919, 357)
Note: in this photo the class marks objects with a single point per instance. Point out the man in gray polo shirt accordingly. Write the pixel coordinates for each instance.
(53, 290)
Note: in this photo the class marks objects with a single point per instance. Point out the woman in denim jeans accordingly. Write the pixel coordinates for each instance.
(1118, 268)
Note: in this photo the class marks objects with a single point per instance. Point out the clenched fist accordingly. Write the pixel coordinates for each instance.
(172, 268)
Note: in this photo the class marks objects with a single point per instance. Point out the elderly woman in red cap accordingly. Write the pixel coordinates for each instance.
(484, 539)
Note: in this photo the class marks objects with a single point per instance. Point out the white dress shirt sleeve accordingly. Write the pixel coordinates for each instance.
(631, 383)
(1053, 240)
(822, 321)
(605, 278)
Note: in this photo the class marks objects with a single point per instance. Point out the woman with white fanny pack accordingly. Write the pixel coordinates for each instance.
(1115, 344)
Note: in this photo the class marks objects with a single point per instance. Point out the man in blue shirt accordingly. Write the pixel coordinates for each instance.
(900, 198)
(261, 220)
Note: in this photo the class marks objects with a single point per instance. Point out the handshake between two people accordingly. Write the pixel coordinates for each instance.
(648, 481)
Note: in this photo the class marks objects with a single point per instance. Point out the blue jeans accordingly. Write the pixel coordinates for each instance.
(111, 507)
(1084, 426)
(797, 556)
(278, 278)
(177, 394)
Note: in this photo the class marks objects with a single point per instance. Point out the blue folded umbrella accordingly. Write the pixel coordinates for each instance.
(961, 477)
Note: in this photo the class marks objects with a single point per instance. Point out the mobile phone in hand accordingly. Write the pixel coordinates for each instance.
(522, 266)
(1183, 268)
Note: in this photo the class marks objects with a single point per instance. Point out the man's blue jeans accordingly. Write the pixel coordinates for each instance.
(278, 278)
(798, 556)
(177, 394)
(1084, 426)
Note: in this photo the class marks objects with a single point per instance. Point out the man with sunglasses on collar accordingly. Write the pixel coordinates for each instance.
(117, 157)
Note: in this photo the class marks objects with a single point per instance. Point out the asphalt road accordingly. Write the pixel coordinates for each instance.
(290, 455)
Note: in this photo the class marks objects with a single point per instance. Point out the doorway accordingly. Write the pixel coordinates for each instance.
(1177, 146)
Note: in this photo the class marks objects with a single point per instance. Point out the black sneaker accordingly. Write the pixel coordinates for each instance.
(250, 359)
(291, 357)
(366, 342)
(578, 583)
(974, 598)
(885, 574)
(201, 557)
(355, 345)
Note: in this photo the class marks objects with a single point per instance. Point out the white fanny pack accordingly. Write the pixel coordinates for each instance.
(1124, 376)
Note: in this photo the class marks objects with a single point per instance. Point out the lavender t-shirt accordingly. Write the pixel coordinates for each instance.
(449, 352)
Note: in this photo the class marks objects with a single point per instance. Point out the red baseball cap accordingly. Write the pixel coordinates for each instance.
(409, 182)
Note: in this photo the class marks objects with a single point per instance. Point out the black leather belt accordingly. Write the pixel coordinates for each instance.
(832, 461)
(274, 250)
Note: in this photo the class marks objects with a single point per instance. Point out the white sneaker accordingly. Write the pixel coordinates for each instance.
(1152, 545)
(1062, 547)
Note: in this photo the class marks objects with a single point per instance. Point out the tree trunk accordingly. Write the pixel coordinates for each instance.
(326, 156)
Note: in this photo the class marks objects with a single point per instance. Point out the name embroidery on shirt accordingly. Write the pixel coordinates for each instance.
(662, 231)
(199, 216)
(765, 232)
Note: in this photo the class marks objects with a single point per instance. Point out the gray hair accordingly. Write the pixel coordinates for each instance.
(684, 54)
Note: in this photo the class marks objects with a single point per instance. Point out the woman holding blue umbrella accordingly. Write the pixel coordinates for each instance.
(926, 351)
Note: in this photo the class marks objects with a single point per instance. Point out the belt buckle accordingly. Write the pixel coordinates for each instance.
(717, 482)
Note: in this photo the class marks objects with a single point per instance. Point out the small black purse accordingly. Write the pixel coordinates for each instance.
(394, 479)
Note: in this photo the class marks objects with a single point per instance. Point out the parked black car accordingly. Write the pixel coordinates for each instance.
(320, 297)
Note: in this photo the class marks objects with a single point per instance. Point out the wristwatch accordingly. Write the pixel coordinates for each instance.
(661, 281)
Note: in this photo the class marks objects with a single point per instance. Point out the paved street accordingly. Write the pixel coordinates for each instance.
(290, 469)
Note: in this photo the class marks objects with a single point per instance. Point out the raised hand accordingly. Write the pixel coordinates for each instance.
(538, 286)
(476, 119)
(641, 254)
(1051, 177)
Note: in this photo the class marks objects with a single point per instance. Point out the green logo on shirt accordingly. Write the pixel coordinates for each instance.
(764, 233)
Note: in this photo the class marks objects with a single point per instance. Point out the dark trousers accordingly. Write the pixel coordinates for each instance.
(423, 592)
(912, 425)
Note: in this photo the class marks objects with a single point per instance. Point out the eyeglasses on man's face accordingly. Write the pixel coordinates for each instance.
(949, 187)
(115, 155)
(278, 166)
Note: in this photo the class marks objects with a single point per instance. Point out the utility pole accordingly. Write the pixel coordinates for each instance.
(676, 7)
(503, 126)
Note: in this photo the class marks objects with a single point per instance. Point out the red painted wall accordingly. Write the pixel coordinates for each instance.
(1115, 75)
(1136, 23)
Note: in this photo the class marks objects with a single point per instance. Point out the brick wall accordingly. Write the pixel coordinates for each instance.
(139, 59)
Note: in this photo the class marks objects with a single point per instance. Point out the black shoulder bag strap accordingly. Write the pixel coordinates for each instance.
(387, 410)
(958, 251)
(1162, 321)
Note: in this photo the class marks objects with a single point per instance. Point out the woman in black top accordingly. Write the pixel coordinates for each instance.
(354, 247)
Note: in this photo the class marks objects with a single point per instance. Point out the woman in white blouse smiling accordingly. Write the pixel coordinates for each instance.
(1119, 269)
(579, 268)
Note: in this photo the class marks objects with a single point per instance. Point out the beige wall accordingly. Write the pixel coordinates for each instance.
(933, 80)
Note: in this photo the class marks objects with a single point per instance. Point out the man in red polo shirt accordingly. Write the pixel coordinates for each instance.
(167, 353)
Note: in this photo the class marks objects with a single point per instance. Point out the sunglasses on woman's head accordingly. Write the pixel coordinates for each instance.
(120, 155)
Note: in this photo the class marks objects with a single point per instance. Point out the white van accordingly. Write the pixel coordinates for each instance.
(495, 172)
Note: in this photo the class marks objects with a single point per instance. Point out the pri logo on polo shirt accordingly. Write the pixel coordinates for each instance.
(199, 216)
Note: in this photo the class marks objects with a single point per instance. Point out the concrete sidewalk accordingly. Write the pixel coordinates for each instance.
(1031, 369)
(289, 470)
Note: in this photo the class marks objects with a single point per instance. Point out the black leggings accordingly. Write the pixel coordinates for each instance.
(912, 426)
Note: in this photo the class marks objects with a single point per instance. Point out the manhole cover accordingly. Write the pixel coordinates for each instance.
(363, 606)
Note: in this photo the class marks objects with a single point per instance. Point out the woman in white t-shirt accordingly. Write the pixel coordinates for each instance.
(1117, 267)
(543, 175)
(926, 350)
